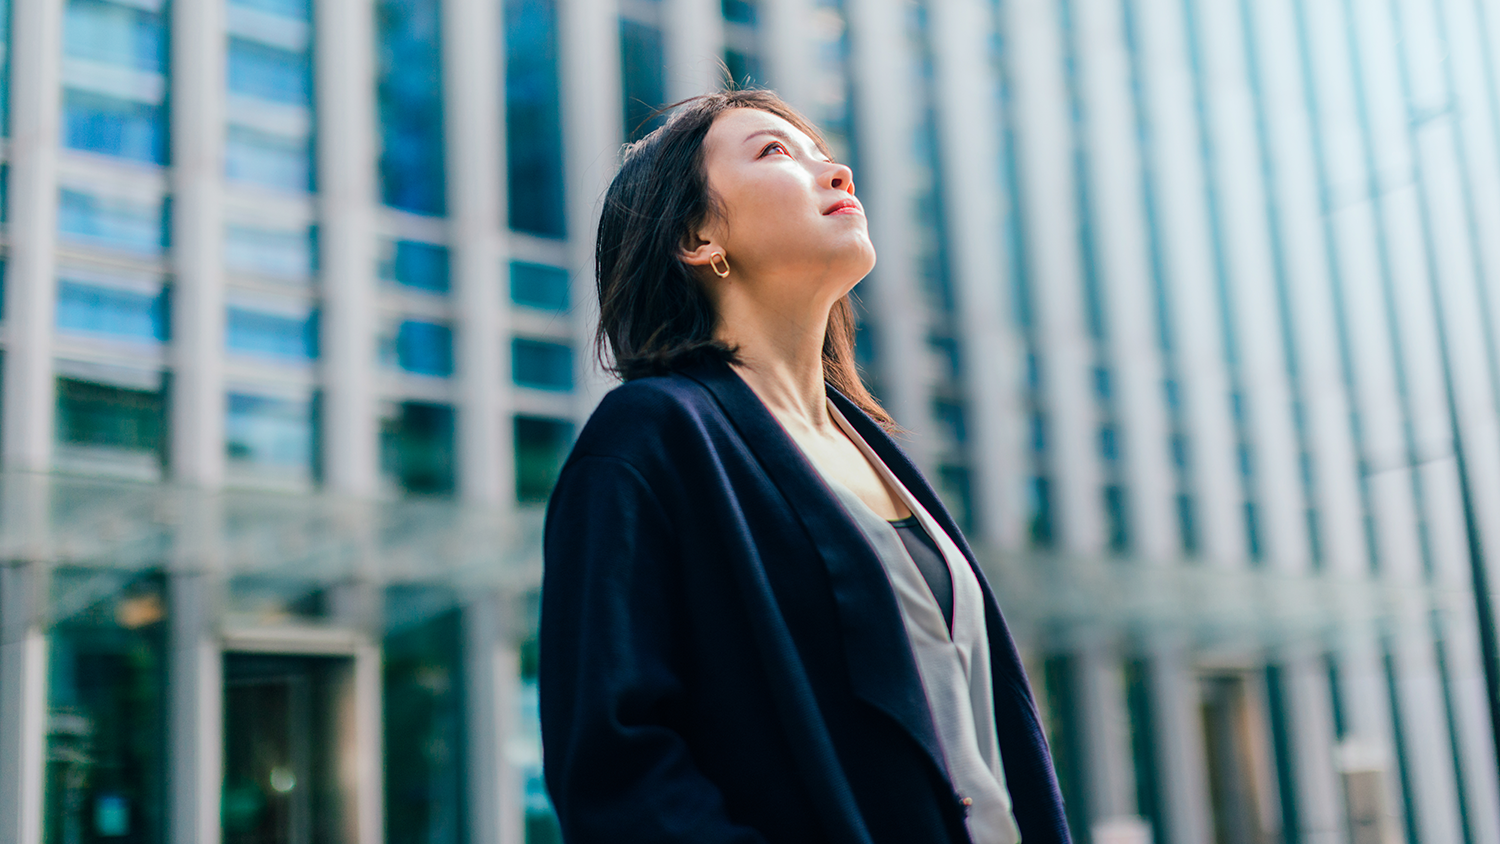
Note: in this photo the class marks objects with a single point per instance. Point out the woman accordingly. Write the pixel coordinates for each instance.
(759, 624)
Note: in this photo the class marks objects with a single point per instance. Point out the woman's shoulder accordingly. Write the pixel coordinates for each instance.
(643, 418)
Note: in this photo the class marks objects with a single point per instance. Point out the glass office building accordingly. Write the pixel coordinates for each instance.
(295, 338)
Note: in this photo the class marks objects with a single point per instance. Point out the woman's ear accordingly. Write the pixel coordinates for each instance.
(695, 251)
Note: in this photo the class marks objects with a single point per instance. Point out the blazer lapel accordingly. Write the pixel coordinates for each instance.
(882, 670)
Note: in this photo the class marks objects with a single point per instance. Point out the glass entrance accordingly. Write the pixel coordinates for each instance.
(280, 749)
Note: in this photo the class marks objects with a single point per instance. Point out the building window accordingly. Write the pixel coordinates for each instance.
(642, 76)
(271, 335)
(538, 286)
(270, 82)
(114, 223)
(422, 702)
(421, 348)
(110, 417)
(1039, 511)
(114, 79)
(1117, 527)
(113, 312)
(410, 93)
(279, 253)
(421, 266)
(533, 119)
(541, 447)
(262, 432)
(957, 490)
(1252, 532)
(106, 707)
(542, 365)
(416, 448)
(1187, 524)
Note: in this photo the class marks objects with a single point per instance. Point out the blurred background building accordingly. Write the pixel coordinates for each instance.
(296, 314)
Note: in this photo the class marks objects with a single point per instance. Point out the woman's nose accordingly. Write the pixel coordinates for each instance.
(840, 177)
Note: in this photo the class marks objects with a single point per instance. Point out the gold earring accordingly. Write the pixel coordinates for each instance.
(719, 256)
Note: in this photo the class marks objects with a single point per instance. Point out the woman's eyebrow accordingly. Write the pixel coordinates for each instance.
(780, 134)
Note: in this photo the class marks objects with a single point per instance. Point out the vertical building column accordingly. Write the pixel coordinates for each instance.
(885, 110)
(23, 699)
(593, 130)
(1105, 721)
(492, 669)
(345, 93)
(1187, 808)
(1177, 169)
(788, 50)
(31, 222)
(969, 133)
(196, 707)
(1124, 262)
(197, 349)
(1044, 140)
(473, 73)
(694, 35)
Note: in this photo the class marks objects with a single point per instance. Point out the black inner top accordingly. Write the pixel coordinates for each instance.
(924, 552)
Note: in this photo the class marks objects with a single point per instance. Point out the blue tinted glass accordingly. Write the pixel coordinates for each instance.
(739, 11)
(642, 76)
(545, 366)
(538, 286)
(287, 254)
(109, 310)
(533, 118)
(110, 222)
(424, 348)
(296, 9)
(411, 105)
(271, 334)
(114, 34)
(269, 431)
(114, 126)
(744, 68)
(271, 160)
(420, 265)
(270, 73)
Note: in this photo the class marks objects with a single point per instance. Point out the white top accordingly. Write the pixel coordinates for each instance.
(955, 669)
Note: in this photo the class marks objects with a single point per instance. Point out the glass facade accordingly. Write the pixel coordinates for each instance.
(539, 286)
(122, 224)
(417, 448)
(541, 447)
(642, 75)
(279, 253)
(112, 312)
(271, 335)
(410, 99)
(541, 365)
(268, 140)
(533, 119)
(114, 79)
(266, 433)
(416, 266)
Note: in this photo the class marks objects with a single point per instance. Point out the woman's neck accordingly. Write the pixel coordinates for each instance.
(782, 361)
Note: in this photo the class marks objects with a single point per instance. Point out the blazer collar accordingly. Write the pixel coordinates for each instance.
(881, 668)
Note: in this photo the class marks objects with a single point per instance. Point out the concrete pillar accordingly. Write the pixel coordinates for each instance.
(197, 350)
(788, 50)
(593, 130)
(969, 134)
(344, 82)
(1180, 759)
(1109, 775)
(886, 111)
(1178, 178)
(492, 667)
(31, 229)
(196, 706)
(473, 73)
(23, 699)
(694, 45)
(1044, 140)
(1120, 230)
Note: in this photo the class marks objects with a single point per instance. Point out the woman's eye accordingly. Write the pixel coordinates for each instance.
(774, 145)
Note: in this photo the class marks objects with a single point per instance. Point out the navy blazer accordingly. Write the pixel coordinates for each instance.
(722, 657)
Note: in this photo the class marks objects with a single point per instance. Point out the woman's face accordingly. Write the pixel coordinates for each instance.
(790, 224)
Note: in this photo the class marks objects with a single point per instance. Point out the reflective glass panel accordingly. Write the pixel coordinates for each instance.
(423, 709)
(272, 252)
(106, 709)
(111, 222)
(739, 11)
(424, 348)
(295, 9)
(268, 159)
(269, 73)
(114, 126)
(533, 118)
(541, 447)
(410, 90)
(642, 68)
(538, 286)
(416, 448)
(543, 365)
(268, 431)
(112, 311)
(423, 266)
(126, 34)
(92, 414)
(272, 335)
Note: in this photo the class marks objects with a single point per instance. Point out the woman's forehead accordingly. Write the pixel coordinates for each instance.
(743, 126)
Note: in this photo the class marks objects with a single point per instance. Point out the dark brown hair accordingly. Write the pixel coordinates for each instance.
(654, 315)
